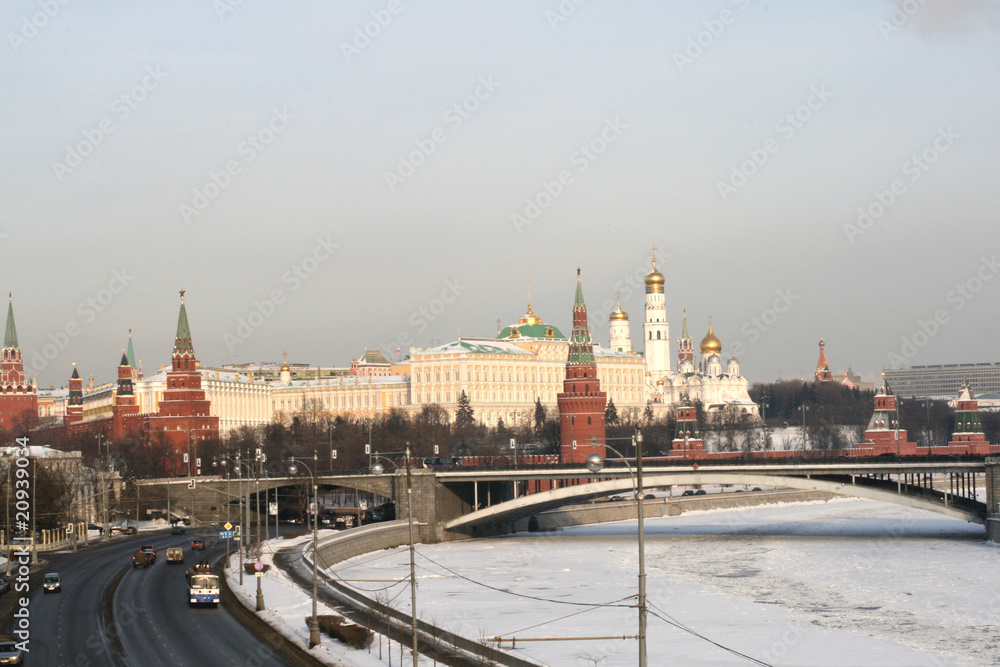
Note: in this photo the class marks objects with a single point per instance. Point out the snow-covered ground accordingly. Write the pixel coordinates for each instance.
(287, 606)
(846, 582)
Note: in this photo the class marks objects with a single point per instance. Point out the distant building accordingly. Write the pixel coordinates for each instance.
(944, 380)
(823, 373)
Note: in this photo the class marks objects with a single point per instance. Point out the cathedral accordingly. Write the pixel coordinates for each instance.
(717, 388)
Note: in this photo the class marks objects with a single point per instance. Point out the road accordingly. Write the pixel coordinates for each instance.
(155, 624)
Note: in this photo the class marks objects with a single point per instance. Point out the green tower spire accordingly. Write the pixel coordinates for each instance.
(182, 341)
(10, 336)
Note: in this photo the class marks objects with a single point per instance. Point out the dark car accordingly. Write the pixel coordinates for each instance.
(756, 488)
(177, 530)
(198, 544)
(52, 583)
(701, 492)
(688, 492)
(649, 496)
(150, 553)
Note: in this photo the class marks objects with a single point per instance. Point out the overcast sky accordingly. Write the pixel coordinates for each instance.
(325, 176)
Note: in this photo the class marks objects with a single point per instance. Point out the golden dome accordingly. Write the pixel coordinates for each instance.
(618, 315)
(654, 280)
(710, 344)
(530, 317)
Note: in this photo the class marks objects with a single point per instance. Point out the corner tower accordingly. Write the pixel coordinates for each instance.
(581, 402)
(656, 331)
(17, 395)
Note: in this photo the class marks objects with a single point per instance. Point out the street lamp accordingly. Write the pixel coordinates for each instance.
(377, 469)
(594, 464)
(314, 639)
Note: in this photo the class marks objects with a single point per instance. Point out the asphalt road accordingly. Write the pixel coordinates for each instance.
(155, 624)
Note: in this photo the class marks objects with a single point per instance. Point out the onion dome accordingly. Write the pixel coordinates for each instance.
(530, 317)
(710, 344)
(618, 315)
(654, 280)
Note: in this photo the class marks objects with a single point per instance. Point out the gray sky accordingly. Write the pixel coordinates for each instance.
(276, 150)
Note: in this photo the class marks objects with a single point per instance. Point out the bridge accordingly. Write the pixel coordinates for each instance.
(458, 503)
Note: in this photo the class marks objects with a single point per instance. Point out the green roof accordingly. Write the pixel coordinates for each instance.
(130, 353)
(182, 342)
(10, 336)
(518, 331)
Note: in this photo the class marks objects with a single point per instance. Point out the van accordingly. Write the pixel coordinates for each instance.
(175, 555)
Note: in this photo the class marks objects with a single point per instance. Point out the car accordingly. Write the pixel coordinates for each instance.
(688, 492)
(52, 583)
(187, 521)
(649, 496)
(150, 553)
(756, 488)
(617, 499)
(177, 530)
(4, 585)
(10, 654)
(701, 492)
(198, 544)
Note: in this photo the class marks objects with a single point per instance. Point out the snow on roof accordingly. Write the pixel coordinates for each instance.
(345, 381)
(474, 346)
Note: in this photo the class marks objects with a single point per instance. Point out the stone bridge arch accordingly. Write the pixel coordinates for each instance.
(846, 485)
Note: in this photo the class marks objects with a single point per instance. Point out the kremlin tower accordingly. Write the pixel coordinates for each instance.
(656, 330)
(17, 395)
(685, 349)
(823, 373)
(184, 415)
(581, 402)
(687, 442)
(126, 405)
(74, 406)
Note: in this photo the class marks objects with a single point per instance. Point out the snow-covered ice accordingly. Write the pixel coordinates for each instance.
(847, 582)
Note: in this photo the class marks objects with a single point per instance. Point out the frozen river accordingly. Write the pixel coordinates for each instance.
(847, 582)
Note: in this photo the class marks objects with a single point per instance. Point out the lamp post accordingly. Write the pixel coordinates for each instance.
(594, 464)
(805, 436)
(377, 469)
(314, 639)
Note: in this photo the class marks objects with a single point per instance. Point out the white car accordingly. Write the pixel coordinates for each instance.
(10, 654)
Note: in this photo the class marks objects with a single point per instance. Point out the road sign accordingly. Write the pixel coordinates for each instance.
(513, 443)
(225, 534)
(258, 566)
(228, 526)
(368, 449)
(364, 505)
(69, 529)
(436, 450)
(185, 457)
(333, 453)
(574, 444)
(259, 574)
